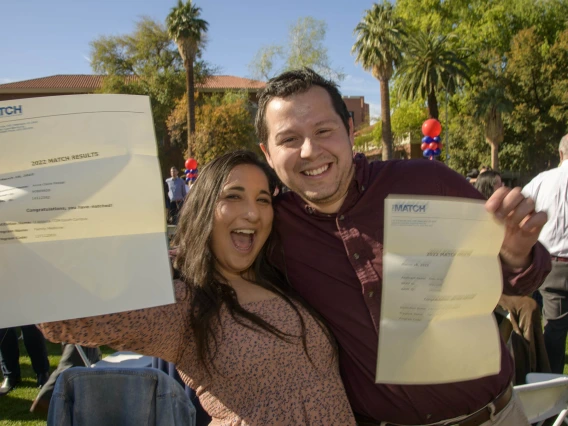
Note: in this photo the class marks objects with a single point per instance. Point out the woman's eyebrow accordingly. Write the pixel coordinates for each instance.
(242, 189)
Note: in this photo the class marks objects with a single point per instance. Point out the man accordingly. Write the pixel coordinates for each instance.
(549, 190)
(10, 356)
(331, 229)
(176, 192)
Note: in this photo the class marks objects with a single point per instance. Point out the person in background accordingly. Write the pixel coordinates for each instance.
(549, 190)
(69, 358)
(176, 193)
(331, 226)
(471, 177)
(488, 182)
(256, 354)
(10, 356)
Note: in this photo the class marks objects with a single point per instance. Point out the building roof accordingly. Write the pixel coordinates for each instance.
(69, 83)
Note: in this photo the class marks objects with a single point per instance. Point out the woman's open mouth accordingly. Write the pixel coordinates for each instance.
(243, 239)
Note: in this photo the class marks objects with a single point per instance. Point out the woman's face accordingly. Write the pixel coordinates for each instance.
(243, 220)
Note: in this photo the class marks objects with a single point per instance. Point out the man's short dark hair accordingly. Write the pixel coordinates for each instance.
(290, 83)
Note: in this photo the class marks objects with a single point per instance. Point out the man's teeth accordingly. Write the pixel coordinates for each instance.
(317, 171)
(243, 231)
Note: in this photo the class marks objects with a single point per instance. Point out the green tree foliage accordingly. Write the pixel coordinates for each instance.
(223, 124)
(305, 48)
(188, 30)
(516, 52)
(379, 49)
(407, 120)
(430, 65)
(146, 62)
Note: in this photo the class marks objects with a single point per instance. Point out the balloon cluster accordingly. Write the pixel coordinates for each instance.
(190, 170)
(431, 142)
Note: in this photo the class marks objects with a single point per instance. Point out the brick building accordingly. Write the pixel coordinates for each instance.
(358, 109)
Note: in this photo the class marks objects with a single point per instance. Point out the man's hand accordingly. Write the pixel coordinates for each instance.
(522, 225)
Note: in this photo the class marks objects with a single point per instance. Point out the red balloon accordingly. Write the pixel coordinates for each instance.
(433, 146)
(191, 163)
(431, 127)
(424, 146)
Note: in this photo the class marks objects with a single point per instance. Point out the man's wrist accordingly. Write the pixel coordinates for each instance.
(516, 261)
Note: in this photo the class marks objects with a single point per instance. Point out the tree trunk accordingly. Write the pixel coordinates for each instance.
(494, 135)
(189, 84)
(386, 120)
(432, 105)
(494, 155)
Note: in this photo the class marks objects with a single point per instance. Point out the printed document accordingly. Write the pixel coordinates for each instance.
(441, 282)
(82, 215)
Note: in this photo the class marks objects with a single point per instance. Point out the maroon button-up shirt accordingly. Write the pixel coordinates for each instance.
(336, 262)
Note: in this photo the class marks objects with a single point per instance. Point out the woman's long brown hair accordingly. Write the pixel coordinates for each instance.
(196, 264)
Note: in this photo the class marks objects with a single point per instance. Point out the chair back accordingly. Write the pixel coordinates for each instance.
(119, 396)
(545, 396)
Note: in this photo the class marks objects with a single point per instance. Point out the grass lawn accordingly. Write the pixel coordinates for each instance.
(15, 407)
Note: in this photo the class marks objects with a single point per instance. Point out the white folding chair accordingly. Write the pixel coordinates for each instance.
(544, 396)
(124, 359)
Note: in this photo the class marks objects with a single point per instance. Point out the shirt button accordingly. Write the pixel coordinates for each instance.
(341, 217)
(371, 293)
(356, 256)
(362, 187)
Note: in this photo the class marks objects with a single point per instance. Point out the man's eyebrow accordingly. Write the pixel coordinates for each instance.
(328, 121)
(319, 123)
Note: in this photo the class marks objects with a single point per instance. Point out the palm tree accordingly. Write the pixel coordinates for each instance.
(379, 50)
(491, 104)
(430, 65)
(188, 31)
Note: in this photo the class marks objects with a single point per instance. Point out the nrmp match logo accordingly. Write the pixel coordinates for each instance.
(10, 111)
(408, 207)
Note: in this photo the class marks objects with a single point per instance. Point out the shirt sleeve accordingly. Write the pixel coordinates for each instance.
(155, 331)
(516, 282)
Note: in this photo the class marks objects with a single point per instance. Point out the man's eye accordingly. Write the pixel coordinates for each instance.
(287, 140)
(324, 131)
(265, 200)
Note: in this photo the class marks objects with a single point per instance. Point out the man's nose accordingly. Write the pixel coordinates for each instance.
(309, 148)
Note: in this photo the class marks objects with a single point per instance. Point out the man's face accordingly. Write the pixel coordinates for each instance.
(309, 148)
(173, 172)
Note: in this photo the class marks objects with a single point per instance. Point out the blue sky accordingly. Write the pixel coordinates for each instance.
(47, 37)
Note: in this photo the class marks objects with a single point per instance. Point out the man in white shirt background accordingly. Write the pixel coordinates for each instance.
(549, 190)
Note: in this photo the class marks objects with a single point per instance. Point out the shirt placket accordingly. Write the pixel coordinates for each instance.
(358, 256)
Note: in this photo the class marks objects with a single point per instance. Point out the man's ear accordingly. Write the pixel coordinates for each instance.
(266, 154)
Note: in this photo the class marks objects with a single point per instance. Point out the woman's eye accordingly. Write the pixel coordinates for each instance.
(265, 200)
(232, 197)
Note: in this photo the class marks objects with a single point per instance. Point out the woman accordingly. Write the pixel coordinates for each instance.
(488, 182)
(253, 351)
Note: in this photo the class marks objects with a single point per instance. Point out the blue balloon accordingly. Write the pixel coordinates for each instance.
(427, 139)
(437, 152)
(428, 153)
(437, 139)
